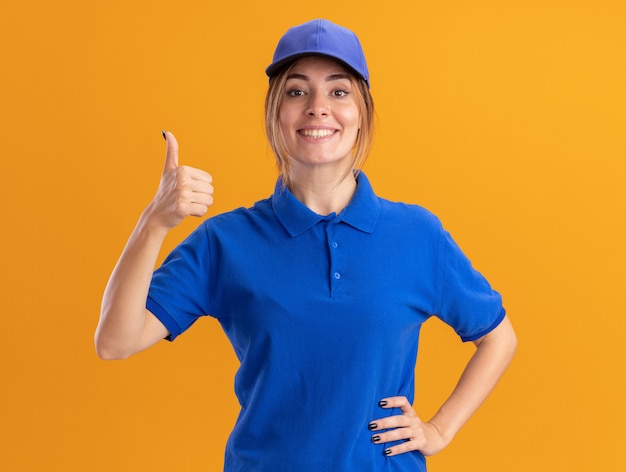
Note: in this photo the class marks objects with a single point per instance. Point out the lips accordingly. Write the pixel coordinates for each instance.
(316, 133)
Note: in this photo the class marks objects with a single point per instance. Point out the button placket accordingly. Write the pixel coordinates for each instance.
(333, 247)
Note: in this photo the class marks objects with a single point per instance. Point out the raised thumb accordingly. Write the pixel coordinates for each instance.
(171, 152)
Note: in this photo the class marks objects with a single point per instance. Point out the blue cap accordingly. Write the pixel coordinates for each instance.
(320, 37)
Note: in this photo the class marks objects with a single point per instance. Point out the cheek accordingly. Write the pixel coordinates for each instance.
(351, 117)
(285, 118)
(353, 121)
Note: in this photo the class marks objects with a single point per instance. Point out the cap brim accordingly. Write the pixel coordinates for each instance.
(274, 68)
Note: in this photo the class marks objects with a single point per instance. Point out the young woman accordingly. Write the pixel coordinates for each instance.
(321, 288)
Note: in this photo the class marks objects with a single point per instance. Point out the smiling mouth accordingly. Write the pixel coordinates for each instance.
(316, 133)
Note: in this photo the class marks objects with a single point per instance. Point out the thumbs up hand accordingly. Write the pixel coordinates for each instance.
(183, 191)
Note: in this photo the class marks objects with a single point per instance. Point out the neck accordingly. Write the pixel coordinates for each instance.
(323, 194)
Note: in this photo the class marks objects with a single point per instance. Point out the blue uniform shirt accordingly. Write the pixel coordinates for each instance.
(324, 314)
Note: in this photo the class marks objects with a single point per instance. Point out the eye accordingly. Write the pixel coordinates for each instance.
(340, 93)
(295, 93)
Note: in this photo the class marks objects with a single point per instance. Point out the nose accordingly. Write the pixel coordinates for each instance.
(318, 105)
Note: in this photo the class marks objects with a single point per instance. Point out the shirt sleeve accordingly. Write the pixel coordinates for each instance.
(468, 303)
(179, 291)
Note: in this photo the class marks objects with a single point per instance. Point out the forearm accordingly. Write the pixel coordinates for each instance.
(123, 312)
(125, 326)
(492, 357)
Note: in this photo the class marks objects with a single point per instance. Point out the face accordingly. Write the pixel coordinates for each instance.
(319, 117)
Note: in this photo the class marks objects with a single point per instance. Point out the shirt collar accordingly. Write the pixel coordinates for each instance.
(361, 213)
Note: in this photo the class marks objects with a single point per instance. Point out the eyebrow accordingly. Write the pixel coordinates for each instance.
(328, 78)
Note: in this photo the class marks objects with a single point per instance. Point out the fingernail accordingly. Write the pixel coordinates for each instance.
(372, 426)
(375, 438)
(382, 403)
(163, 133)
(387, 452)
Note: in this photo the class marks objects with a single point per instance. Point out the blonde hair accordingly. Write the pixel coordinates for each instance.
(273, 100)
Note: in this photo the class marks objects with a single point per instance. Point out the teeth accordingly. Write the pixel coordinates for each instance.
(316, 133)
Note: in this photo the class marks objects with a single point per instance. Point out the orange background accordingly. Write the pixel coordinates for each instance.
(505, 118)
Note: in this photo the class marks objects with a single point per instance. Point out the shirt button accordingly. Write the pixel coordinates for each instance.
(335, 245)
(337, 275)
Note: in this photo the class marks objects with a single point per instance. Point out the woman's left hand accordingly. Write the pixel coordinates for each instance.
(416, 434)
